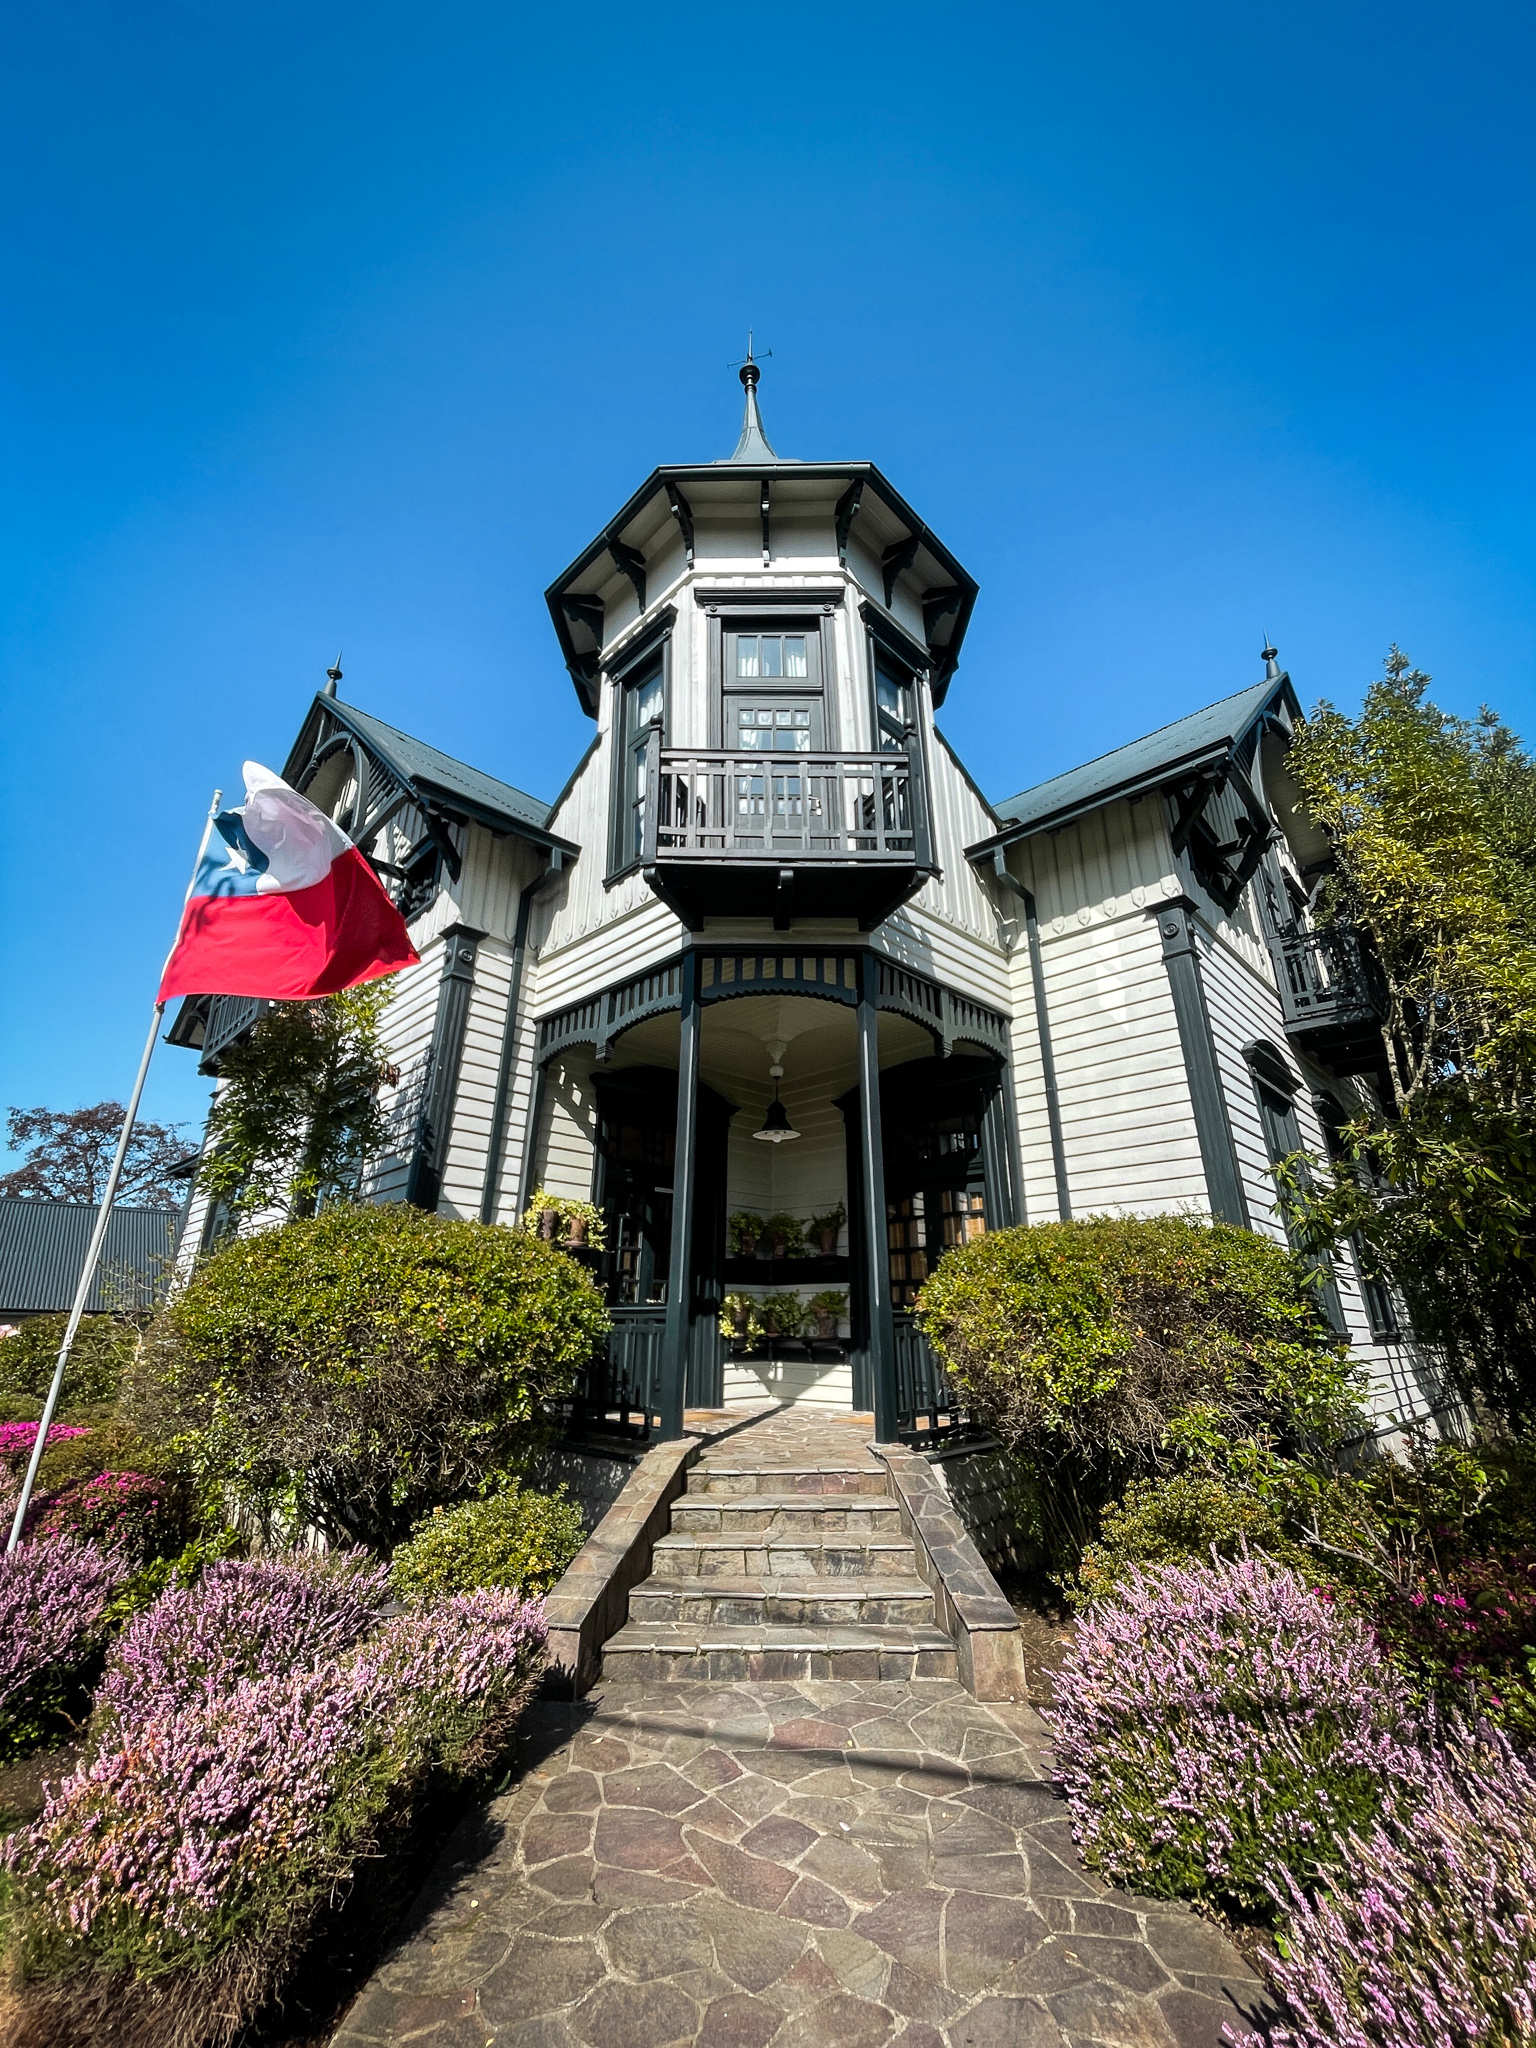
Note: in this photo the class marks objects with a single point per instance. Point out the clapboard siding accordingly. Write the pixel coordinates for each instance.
(567, 1136)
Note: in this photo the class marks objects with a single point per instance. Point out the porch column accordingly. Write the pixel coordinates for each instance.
(882, 1328)
(674, 1349)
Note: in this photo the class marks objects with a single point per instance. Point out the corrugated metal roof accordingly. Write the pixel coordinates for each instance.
(43, 1244)
(1143, 762)
(423, 764)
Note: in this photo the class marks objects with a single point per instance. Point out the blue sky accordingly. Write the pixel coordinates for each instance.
(333, 326)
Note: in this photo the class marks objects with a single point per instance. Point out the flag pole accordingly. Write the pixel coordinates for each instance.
(98, 1235)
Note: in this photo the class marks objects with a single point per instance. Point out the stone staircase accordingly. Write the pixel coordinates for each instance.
(782, 1562)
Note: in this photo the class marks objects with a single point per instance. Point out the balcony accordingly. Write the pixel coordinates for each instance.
(1331, 996)
(782, 835)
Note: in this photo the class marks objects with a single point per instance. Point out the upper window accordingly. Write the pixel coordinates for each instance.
(642, 705)
(775, 728)
(895, 703)
(765, 657)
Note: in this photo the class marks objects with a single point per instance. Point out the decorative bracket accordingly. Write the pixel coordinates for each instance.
(632, 562)
(847, 511)
(682, 512)
(897, 558)
(938, 604)
(764, 509)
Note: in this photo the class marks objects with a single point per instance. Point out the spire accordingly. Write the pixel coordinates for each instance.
(1269, 656)
(753, 445)
(333, 677)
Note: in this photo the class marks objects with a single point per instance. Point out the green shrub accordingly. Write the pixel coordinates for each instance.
(356, 1369)
(100, 1355)
(1179, 1519)
(516, 1539)
(1114, 1348)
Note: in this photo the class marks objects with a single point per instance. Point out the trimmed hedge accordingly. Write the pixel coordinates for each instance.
(518, 1539)
(359, 1368)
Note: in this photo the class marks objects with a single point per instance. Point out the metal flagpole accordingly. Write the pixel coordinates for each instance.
(98, 1235)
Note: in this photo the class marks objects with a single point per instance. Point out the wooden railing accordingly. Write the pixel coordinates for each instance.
(927, 1406)
(619, 1393)
(785, 807)
(1325, 979)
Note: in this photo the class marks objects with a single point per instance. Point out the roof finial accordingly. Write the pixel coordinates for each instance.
(1268, 655)
(753, 445)
(333, 675)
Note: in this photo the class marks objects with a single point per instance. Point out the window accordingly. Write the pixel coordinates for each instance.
(921, 1227)
(643, 705)
(767, 656)
(1380, 1309)
(895, 703)
(773, 728)
(1275, 1089)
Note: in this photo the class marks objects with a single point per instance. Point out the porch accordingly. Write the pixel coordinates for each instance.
(741, 1263)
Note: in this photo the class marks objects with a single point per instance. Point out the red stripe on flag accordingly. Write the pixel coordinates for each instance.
(331, 936)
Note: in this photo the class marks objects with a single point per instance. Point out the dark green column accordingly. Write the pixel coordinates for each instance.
(674, 1350)
(877, 1278)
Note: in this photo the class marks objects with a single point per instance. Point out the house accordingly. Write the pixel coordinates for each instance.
(771, 952)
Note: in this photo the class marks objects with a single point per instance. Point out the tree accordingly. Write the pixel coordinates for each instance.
(1433, 825)
(297, 1117)
(71, 1156)
(361, 1367)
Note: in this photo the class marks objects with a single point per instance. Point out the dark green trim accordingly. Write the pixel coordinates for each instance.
(675, 1346)
(1213, 1126)
(434, 1124)
(877, 1284)
(531, 891)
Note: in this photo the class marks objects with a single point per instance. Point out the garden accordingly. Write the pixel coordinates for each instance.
(275, 1615)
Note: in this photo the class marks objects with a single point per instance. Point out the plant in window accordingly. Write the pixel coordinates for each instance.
(826, 1225)
(745, 1228)
(783, 1314)
(786, 1235)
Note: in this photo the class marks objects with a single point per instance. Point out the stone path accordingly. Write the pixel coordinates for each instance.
(808, 1863)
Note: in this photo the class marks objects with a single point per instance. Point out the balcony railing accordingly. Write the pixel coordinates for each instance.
(1331, 993)
(781, 807)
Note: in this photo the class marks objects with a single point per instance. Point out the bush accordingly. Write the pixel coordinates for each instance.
(1469, 1638)
(1177, 1520)
(98, 1358)
(1110, 1349)
(53, 1619)
(17, 1439)
(98, 1443)
(238, 1621)
(138, 1516)
(1426, 1933)
(178, 1871)
(1215, 1722)
(359, 1368)
(517, 1539)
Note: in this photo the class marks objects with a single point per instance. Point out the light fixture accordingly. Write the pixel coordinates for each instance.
(777, 1128)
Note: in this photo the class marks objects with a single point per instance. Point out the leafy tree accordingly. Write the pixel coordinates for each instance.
(297, 1117)
(71, 1156)
(356, 1369)
(1433, 825)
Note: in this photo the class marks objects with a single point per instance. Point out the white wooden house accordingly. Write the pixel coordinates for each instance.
(771, 879)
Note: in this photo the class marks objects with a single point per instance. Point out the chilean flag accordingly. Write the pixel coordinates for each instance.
(283, 905)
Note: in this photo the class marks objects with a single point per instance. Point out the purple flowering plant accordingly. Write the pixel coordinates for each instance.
(54, 1599)
(1215, 1721)
(229, 1815)
(1423, 1934)
(17, 1438)
(133, 1513)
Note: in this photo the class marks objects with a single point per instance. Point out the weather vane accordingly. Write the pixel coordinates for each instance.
(749, 357)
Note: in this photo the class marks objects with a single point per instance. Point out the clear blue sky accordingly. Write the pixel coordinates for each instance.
(331, 326)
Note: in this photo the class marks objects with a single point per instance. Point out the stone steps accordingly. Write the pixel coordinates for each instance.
(726, 1475)
(735, 1514)
(802, 1600)
(776, 1650)
(769, 1554)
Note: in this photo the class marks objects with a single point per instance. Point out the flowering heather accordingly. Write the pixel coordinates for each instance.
(53, 1600)
(1215, 1721)
(232, 1819)
(17, 1438)
(237, 1621)
(1426, 1935)
(128, 1512)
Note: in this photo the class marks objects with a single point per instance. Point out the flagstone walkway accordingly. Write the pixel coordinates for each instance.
(809, 1864)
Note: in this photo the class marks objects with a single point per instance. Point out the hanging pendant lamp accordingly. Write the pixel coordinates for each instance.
(777, 1128)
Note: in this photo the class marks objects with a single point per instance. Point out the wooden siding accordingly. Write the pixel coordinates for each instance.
(566, 1140)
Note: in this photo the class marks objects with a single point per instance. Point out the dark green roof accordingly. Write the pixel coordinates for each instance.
(43, 1245)
(1148, 763)
(417, 763)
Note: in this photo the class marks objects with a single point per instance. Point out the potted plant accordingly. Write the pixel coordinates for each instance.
(783, 1314)
(739, 1319)
(542, 1216)
(824, 1228)
(559, 1219)
(785, 1235)
(828, 1308)
(745, 1228)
